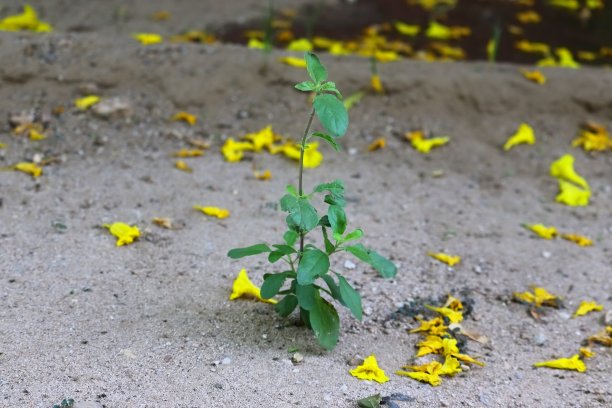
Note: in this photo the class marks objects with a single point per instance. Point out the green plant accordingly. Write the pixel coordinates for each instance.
(312, 285)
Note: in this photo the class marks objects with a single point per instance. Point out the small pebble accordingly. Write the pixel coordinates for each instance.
(352, 151)
(297, 358)
(608, 318)
(477, 269)
(546, 254)
(349, 265)
(540, 339)
(226, 361)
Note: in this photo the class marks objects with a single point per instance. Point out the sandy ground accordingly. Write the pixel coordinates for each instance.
(150, 324)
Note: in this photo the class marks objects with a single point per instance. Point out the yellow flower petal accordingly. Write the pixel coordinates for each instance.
(453, 303)
(188, 153)
(406, 29)
(442, 32)
(213, 211)
(450, 367)
(573, 363)
(377, 144)
(263, 175)
(124, 233)
(434, 326)
(452, 315)
(369, 370)
(578, 239)
(86, 102)
(36, 135)
(353, 100)
(185, 117)
(524, 135)
(181, 165)
(233, 151)
(566, 59)
(563, 169)
(532, 47)
(593, 137)
(376, 84)
(243, 287)
(148, 38)
(543, 231)
(587, 307)
(450, 260)
(26, 21)
(528, 17)
(293, 61)
(467, 359)
(256, 44)
(539, 297)
(29, 168)
(262, 139)
(2, 145)
(433, 367)
(301, 45)
(431, 344)
(418, 141)
(570, 194)
(586, 352)
(432, 379)
(604, 337)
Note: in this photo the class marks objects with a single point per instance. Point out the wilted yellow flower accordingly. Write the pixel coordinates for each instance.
(453, 303)
(369, 370)
(213, 211)
(406, 29)
(604, 337)
(534, 76)
(593, 137)
(293, 61)
(36, 135)
(532, 47)
(450, 260)
(301, 45)
(453, 316)
(586, 352)
(418, 141)
(233, 151)
(26, 21)
(528, 17)
(578, 239)
(181, 165)
(543, 231)
(376, 84)
(148, 38)
(377, 144)
(431, 344)
(433, 379)
(434, 327)
(573, 363)
(162, 222)
(124, 233)
(442, 32)
(572, 195)
(188, 153)
(264, 138)
(29, 168)
(539, 297)
(566, 59)
(86, 102)
(243, 287)
(186, 117)
(524, 135)
(563, 169)
(431, 371)
(263, 175)
(587, 306)
(312, 157)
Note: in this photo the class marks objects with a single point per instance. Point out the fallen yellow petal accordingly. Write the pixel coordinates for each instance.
(539, 297)
(124, 233)
(524, 135)
(563, 169)
(26, 21)
(376, 84)
(434, 327)
(213, 211)
(148, 38)
(433, 379)
(578, 239)
(234, 151)
(593, 137)
(36, 135)
(243, 287)
(293, 61)
(452, 315)
(301, 45)
(188, 153)
(543, 231)
(453, 303)
(181, 165)
(570, 194)
(422, 145)
(377, 144)
(263, 175)
(86, 102)
(586, 352)
(406, 29)
(2, 145)
(29, 168)
(573, 363)
(264, 138)
(442, 32)
(185, 117)
(431, 344)
(450, 260)
(532, 47)
(528, 17)
(369, 370)
(587, 307)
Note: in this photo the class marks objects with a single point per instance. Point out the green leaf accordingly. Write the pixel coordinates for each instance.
(292, 190)
(332, 114)
(288, 202)
(306, 296)
(275, 256)
(284, 249)
(325, 323)
(351, 297)
(315, 69)
(328, 139)
(306, 86)
(286, 305)
(333, 288)
(290, 237)
(329, 247)
(257, 249)
(372, 401)
(353, 100)
(303, 216)
(360, 252)
(353, 235)
(385, 267)
(314, 263)
(337, 219)
(272, 284)
(335, 187)
(331, 87)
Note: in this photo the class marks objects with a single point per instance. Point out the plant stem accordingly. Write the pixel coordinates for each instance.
(300, 189)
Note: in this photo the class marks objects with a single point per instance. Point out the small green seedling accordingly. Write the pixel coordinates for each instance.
(312, 285)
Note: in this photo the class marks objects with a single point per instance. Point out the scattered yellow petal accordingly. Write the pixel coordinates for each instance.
(587, 55)
(86, 102)
(593, 137)
(450, 260)
(563, 169)
(406, 29)
(532, 47)
(265, 138)
(543, 231)
(376, 84)
(188, 153)
(587, 306)
(604, 337)
(293, 61)
(534, 76)
(256, 44)
(369, 370)
(199, 143)
(124, 233)
(186, 117)
(2, 145)
(243, 287)
(581, 240)
(431, 344)
(213, 211)
(433, 379)
(586, 352)
(148, 38)
(301, 45)
(29, 168)
(467, 359)
(263, 175)
(447, 51)
(181, 165)
(453, 303)
(450, 367)
(442, 32)
(539, 297)
(570, 194)
(26, 21)
(377, 144)
(528, 17)
(515, 30)
(163, 222)
(452, 315)
(434, 327)
(573, 363)
(353, 100)
(566, 59)
(418, 141)
(524, 135)
(312, 157)
(233, 151)
(36, 135)
(433, 367)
